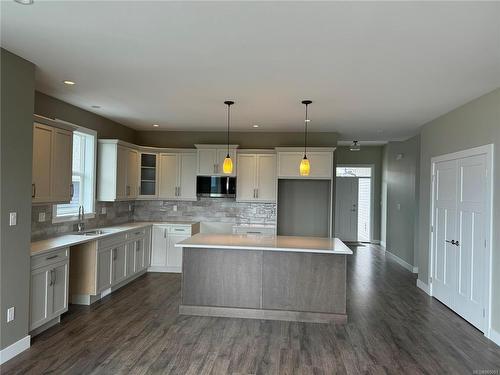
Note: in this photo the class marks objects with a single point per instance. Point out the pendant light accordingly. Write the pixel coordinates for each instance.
(227, 167)
(305, 167)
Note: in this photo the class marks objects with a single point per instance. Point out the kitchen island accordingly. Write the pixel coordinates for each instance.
(264, 277)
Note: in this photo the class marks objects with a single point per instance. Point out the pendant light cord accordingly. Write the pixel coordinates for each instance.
(228, 120)
(305, 133)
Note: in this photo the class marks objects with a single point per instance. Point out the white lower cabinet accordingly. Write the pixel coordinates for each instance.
(49, 287)
(165, 257)
(104, 269)
(119, 264)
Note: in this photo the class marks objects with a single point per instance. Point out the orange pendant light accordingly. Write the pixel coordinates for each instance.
(227, 166)
(305, 166)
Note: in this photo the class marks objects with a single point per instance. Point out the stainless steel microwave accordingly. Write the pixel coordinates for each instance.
(216, 186)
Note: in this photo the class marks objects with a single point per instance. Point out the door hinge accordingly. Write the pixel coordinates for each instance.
(430, 279)
(432, 228)
(485, 244)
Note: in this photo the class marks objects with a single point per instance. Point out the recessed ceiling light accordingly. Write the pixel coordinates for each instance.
(156, 125)
(67, 82)
(255, 126)
(96, 106)
(25, 2)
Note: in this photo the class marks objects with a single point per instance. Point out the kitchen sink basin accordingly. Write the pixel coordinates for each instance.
(91, 232)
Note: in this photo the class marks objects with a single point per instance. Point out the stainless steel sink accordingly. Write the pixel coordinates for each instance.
(91, 232)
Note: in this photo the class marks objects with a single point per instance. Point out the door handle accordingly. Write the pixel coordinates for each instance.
(33, 190)
(452, 242)
(71, 190)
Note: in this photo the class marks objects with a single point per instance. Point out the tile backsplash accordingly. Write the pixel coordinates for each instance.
(223, 210)
(116, 213)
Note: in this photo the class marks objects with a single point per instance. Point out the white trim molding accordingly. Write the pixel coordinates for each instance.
(494, 336)
(16, 348)
(423, 286)
(382, 244)
(402, 262)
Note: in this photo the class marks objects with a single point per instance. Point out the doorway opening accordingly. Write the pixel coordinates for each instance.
(353, 208)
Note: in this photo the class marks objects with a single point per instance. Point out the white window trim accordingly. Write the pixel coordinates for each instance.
(90, 215)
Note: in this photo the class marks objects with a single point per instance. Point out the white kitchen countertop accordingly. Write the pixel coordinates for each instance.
(267, 243)
(71, 239)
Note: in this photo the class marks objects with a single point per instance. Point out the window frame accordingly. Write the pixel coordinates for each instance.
(88, 215)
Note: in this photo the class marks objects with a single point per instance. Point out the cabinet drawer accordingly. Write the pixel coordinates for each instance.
(51, 257)
(111, 240)
(179, 230)
(137, 233)
(254, 230)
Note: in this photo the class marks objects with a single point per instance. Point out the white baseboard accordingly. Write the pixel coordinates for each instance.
(402, 262)
(423, 286)
(165, 269)
(382, 244)
(16, 348)
(494, 336)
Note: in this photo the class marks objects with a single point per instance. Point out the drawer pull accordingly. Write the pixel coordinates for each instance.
(179, 230)
(52, 257)
(137, 233)
(253, 232)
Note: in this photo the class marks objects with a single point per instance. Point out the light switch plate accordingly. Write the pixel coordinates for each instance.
(399, 206)
(130, 207)
(41, 217)
(103, 210)
(174, 207)
(11, 314)
(12, 218)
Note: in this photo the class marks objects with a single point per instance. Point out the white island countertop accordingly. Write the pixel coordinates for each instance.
(318, 245)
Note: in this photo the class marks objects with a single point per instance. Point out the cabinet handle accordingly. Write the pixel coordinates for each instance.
(52, 257)
(71, 190)
(52, 278)
(179, 230)
(165, 233)
(55, 277)
(137, 233)
(33, 190)
(178, 191)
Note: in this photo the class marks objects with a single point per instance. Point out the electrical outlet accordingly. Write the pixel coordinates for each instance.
(12, 218)
(130, 207)
(399, 206)
(174, 207)
(41, 217)
(11, 314)
(103, 210)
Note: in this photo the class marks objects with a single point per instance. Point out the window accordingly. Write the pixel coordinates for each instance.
(354, 171)
(84, 156)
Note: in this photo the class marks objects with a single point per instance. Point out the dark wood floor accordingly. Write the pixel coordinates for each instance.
(393, 328)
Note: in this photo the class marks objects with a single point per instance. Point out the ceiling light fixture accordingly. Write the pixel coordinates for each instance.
(67, 82)
(227, 167)
(305, 167)
(156, 126)
(25, 2)
(255, 126)
(355, 146)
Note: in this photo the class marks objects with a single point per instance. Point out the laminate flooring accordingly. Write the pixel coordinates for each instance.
(393, 328)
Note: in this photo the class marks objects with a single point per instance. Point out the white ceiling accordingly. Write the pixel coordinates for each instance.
(375, 71)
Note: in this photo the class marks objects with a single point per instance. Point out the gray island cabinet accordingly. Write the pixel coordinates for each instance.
(264, 277)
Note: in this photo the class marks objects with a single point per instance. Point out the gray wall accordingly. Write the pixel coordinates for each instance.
(367, 155)
(48, 106)
(473, 124)
(255, 139)
(401, 179)
(17, 101)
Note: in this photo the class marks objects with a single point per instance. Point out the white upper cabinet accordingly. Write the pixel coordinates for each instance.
(320, 159)
(210, 159)
(117, 171)
(177, 176)
(256, 179)
(52, 158)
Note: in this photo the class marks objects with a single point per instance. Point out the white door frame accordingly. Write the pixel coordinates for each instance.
(481, 150)
(372, 190)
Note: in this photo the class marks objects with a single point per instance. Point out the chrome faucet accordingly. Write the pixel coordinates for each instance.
(81, 217)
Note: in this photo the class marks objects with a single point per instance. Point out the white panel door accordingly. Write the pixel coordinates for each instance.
(346, 213)
(168, 176)
(471, 252)
(445, 213)
(40, 296)
(119, 263)
(159, 246)
(364, 209)
(60, 285)
(187, 176)
(245, 182)
(104, 267)
(42, 163)
(459, 237)
(266, 177)
(62, 157)
(132, 173)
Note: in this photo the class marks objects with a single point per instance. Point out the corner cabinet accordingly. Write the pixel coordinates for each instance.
(165, 257)
(210, 159)
(117, 171)
(52, 169)
(49, 287)
(177, 176)
(320, 159)
(256, 177)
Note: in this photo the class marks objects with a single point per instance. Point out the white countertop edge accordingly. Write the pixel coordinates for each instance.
(265, 248)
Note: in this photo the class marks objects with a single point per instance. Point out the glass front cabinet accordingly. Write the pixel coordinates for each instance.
(148, 175)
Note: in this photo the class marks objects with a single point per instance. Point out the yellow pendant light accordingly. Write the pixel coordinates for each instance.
(227, 166)
(305, 166)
